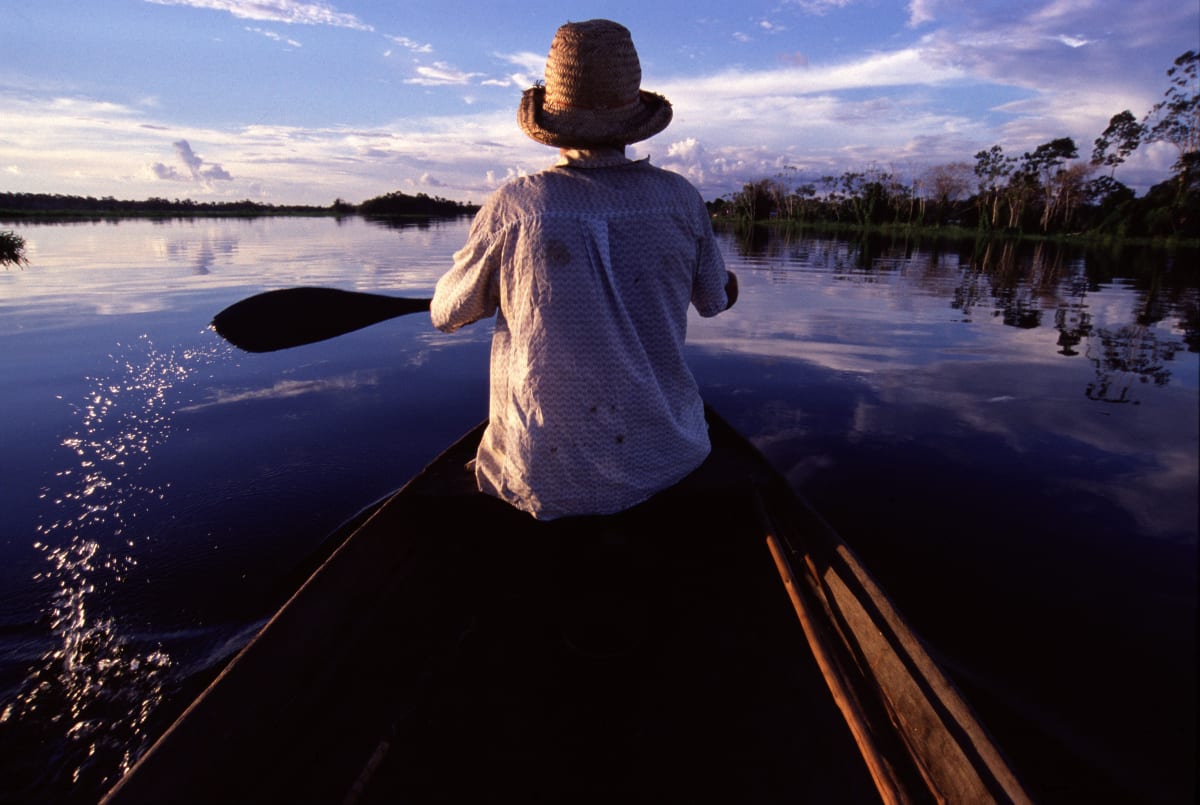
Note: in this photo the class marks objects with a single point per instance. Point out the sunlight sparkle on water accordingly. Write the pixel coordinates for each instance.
(93, 686)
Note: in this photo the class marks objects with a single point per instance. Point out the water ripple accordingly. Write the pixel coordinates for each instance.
(92, 692)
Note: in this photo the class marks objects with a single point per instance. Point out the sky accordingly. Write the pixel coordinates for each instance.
(308, 101)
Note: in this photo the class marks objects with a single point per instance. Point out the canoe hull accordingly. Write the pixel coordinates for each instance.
(453, 649)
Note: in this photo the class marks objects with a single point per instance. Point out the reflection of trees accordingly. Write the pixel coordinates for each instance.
(863, 255)
(753, 240)
(1049, 275)
(1028, 286)
(1191, 322)
(1137, 353)
(1125, 357)
(401, 222)
(1019, 284)
(1022, 284)
(1074, 324)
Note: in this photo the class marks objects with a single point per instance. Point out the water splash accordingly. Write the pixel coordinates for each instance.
(93, 691)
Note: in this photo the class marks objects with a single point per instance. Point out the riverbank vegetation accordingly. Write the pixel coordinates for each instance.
(41, 206)
(420, 205)
(12, 249)
(1047, 192)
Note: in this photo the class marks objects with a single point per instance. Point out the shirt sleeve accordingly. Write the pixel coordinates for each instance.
(708, 285)
(470, 290)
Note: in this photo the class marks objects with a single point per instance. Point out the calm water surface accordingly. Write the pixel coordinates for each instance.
(1007, 437)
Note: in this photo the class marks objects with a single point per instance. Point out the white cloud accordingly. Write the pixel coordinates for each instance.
(527, 61)
(530, 67)
(286, 11)
(1062, 9)
(976, 74)
(685, 149)
(876, 71)
(689, 158)
(273, 36)
(439, 74)
(409, 44)
(1073, 41)
(921, 12)
(821, 7)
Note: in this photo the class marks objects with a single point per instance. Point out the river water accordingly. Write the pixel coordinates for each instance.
(1008, 437)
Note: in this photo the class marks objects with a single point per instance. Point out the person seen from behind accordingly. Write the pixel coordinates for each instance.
(589, 268)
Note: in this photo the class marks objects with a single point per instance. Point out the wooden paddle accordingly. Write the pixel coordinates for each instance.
(289, 317)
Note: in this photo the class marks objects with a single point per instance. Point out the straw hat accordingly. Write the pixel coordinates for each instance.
(592, 96)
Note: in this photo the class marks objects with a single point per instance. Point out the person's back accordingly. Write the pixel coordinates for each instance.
(590, 268)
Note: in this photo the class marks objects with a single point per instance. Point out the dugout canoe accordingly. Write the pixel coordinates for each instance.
(718, 644)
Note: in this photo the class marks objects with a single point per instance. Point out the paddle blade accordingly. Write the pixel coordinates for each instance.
(289, 317)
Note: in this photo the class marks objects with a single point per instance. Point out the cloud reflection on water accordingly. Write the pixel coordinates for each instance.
(84, 269)
(936, 341)
(285, 389)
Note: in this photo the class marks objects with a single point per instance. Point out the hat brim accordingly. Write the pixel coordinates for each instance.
(586, 128)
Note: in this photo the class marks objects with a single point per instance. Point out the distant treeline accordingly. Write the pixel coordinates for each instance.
(1047, 191)
(47, 205)
(876, 198)
(420, 204)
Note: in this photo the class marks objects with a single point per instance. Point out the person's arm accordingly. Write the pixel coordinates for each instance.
(469, 291)
(715, 288)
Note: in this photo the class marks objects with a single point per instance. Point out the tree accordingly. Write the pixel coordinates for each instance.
(1124, 132)
(1043, 167)
(863, 192)
(945, 184)
(785, 200)
(1071, 187)
(1176, 118)
(12, 249)
(1110, 203)
(399, 203)
(992, 168)
(804, 196)
(756, 200)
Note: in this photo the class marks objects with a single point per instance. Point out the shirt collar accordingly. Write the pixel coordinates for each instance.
(592, 157)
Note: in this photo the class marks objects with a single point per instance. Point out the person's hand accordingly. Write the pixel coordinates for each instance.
(731, 288)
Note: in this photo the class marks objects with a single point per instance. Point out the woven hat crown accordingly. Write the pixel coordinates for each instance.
(592, 66)
(592, 95)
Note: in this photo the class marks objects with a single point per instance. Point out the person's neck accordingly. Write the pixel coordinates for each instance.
(592, 157)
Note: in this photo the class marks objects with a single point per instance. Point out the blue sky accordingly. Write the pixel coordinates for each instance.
(291, 101)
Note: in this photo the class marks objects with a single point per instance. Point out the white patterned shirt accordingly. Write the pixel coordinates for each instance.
(589, 268)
